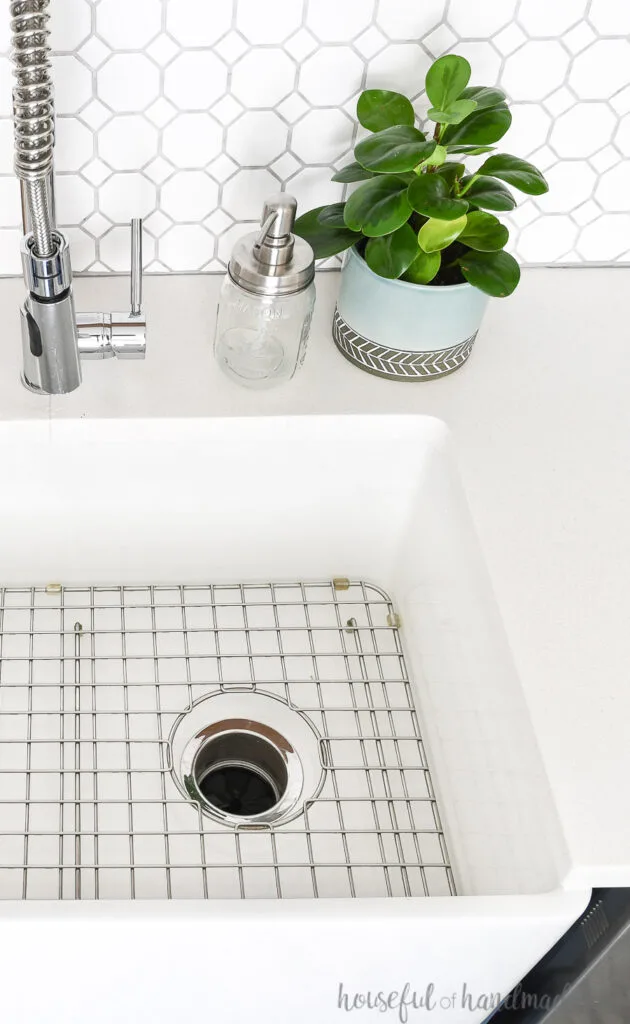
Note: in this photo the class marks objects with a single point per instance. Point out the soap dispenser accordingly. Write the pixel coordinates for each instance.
(266, 301)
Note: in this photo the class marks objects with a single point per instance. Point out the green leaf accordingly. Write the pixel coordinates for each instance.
(352, 172)
(483, 96)
(495, 273)
(489, 194)
(329, 236)
(437, 234)
(332, 216)
(424, 267)
(480, 128)
(395, 149)
(446, 79)
(516, 172)
(438, 156)
(451, 171)
(484, 231)
(470, 150)
(378, 206)
(455, 113)
(380, 108)
(390, 255)
(430, 195)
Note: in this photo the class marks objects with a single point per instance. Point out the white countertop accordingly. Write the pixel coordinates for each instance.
(541, 427)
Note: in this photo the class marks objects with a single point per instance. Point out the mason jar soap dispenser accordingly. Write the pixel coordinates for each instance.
(266, 301)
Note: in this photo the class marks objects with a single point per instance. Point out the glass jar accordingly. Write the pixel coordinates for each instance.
(261, 340)
(266, 302)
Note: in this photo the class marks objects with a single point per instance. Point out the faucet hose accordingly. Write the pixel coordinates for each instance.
(34, 114)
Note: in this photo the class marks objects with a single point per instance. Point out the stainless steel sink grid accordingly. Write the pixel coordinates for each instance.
(92, 681)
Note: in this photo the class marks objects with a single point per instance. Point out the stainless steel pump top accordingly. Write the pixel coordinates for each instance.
(273, 261)
(54, 338)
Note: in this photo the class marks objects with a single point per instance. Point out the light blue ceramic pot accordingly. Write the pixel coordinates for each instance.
(404, 331)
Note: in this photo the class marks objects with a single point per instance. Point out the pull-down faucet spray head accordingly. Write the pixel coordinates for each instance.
(53, 338)
(50, 341)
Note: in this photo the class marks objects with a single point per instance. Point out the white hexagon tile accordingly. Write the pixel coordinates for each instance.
(189, 112)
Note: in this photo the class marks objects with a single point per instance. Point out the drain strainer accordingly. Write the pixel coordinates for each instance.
(246, 758)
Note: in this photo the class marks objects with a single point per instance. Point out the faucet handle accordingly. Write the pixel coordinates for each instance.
(136, 266)
(123, 335)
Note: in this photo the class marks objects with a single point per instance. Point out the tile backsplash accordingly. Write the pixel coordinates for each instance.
(189, 112)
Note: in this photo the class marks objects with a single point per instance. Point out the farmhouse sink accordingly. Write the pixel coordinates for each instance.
(263, 747)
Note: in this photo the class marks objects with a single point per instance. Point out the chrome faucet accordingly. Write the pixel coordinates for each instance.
(54, 337)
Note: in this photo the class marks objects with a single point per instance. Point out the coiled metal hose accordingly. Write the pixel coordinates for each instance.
(34, 114)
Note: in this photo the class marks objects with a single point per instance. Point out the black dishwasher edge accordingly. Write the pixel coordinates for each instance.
(545, 987)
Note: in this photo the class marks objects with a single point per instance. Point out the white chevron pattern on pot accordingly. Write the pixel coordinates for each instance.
(394, 363)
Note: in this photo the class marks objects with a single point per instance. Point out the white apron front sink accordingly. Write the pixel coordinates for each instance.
(329, 565)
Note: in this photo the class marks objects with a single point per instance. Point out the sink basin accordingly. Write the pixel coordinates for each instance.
(162, 578)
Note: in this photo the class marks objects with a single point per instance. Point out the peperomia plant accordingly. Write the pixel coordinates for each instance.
(418, 215)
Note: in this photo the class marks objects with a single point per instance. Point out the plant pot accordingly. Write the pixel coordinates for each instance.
(404, 331)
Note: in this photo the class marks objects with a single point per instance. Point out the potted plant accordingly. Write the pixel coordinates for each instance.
(425, 247)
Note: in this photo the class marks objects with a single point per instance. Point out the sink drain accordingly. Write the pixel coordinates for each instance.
(246, 758)
(238, 789)
(241, 771)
